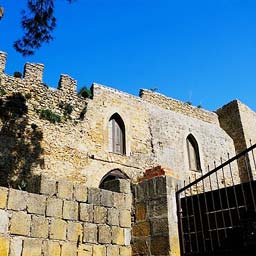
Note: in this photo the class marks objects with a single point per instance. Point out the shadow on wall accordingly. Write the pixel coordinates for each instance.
(20, 143)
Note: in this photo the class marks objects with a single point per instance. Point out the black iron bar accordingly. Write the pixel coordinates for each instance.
(188, 221)
(234, 189)
(207, 215)
(214, 209)
(226, 192)
(221, 204)
(194, 217)
(253, 157)
(250, 181)
(200, 216)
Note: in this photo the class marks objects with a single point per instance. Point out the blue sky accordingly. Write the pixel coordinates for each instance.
(203, 51)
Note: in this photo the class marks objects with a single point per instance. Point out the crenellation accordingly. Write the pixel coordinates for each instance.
(67, 84)
(3, 58)
(33, 72)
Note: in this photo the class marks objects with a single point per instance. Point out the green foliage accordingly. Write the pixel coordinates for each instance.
(17, 74)
(188, 102)
(28, 96)
(85, 92)
(47, 114)
(154, 89)
(199, 106)
(68, 108)
(2, 92)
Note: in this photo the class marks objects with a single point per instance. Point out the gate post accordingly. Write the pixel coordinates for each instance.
(155, 227)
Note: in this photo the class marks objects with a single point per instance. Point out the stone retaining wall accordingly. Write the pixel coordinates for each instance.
(65, 219)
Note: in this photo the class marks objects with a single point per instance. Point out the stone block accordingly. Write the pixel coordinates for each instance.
(80, 192)
(125, 251)
(161, 186)
(74, 231)
(125, 219)
(3, 197)
(84, 250)
(4, 246)
(4, 221)
(113, 217)
(51, 248)
(127, 236)
(65, 189)
(54, 207)
(128, 201)
(90, 233)
(100, 215)
(107, 198)
(99, 250)
(141, 229)
(119, 200)
(117, 235)
(17, 200)
(36, 204)
(86, 212)
(140, 212)
(48, 186)
(16, 246)
(69, 249)
(39, 226)
(70, 210)
(159, 227)
(58, 229)
(32, 247)
(20, 223)
(118, 185)
(104, 234)
(160, 245)
(158, 208)
(113, 250)
(94, 196)
(140, 247)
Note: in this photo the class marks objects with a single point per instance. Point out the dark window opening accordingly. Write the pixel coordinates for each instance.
(193, 154)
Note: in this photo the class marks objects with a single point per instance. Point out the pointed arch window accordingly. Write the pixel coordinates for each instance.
(193, 154)
(116, 134)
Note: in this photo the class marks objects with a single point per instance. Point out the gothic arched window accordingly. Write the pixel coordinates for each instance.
(193, 154)
(116, 131)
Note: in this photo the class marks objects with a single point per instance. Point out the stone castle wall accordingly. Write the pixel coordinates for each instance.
(65, 219)
(77, 147)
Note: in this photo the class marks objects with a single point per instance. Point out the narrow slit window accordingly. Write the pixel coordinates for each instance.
(193, 154)
(116, 135)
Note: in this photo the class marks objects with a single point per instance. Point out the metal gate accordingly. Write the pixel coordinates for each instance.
(217, 212)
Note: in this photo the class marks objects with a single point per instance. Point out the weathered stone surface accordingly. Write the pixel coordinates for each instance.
(54, 207)
(140, 247)
(74, 232)
(125, 251)
(107, 198)
(94, 196)
(16, 246)
(85, 250)
(39, 226)
(69, 249)
(48, 186)
(4, 221)
(117, 235)
(17, 200)
(20, 223)
(65, 190)
(32, 247)
(100, 215)
(4, 246)
(99, 250)
(160, 245)
(3, 197)
(113, 217)
(140, 211)
(119, 201)
(104, 234)
(125, 219)
(90, 233)
(36, 204)
(159, 227)
(58, 229)
(51, 248)
(113, 250)
(127, 236)
(86, 212)
(70, 210)
(80, 192)
(141, 229)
